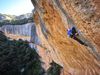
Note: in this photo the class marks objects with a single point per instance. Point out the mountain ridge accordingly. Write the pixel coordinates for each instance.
(14, 17)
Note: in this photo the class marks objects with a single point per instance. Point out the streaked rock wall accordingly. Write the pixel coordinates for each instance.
(53, 18)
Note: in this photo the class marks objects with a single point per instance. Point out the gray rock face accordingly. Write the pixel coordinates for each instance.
(24, 29)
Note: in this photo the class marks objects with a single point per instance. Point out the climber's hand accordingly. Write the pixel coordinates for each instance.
(76, 34)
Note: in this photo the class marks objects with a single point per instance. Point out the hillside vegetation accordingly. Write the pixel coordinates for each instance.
(16, 22)
(17, 58)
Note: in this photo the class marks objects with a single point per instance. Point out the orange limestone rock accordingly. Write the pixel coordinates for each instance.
(53, 18)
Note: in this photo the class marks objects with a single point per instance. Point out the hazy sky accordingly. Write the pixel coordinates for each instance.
(15, 7)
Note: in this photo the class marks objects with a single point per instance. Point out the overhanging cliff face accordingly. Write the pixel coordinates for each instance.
(54, 17)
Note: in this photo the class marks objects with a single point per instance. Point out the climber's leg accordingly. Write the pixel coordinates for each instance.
(79, 40)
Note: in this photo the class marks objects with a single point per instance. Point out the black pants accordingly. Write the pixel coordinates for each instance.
(79, 40)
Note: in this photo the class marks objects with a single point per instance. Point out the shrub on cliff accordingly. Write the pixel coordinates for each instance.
(17, 58)
(55, 69)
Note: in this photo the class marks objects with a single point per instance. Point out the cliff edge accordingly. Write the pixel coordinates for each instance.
(52, 20)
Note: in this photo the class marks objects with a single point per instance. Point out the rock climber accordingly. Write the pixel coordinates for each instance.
(72, 32)
(75, 35)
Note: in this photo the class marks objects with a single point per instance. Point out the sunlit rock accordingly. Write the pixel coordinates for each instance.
(52, 20)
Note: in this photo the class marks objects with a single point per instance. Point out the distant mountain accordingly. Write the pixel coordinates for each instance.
(6, 17)
(23, 16)
(13, 17)
(15, 20)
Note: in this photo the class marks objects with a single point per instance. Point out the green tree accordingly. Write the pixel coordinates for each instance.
(17, 58)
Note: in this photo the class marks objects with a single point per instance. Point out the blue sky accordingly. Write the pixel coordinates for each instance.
(15, 7)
